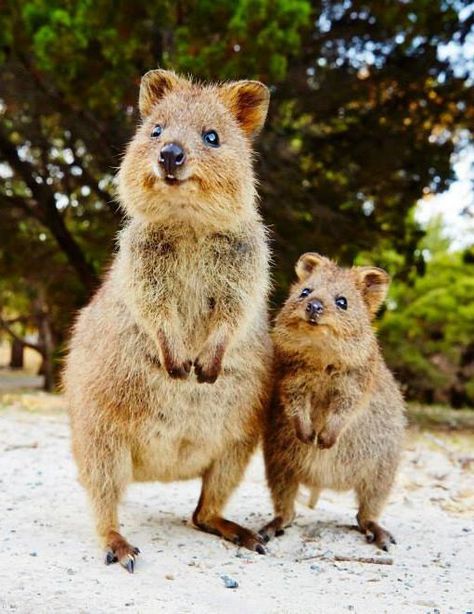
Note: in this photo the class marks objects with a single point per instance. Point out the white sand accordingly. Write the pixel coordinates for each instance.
(50, 560)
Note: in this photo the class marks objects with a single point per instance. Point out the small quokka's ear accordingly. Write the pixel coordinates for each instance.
(248, 101)
(154, 85)
(374, 283)
(308, 262)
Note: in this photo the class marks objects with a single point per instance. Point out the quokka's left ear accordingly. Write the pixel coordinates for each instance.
(248, 101)
(373, 283)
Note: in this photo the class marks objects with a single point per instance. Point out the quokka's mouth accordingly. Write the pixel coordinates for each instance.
(172, 180)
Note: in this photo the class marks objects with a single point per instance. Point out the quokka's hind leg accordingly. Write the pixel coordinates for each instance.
(283, 485)
(218, 483)
(372, 497)
(105, 469)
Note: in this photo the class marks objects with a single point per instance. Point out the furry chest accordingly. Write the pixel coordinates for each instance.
(184, 433)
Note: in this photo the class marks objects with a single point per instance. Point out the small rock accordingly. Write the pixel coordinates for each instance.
(169, 576)
(229, 582)
(33, 554)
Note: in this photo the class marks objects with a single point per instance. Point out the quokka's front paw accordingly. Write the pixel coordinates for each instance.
(327, 438)
(304, 430)
(208, 365)
(179, 370)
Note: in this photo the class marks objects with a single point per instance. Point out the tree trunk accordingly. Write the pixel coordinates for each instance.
(17, 354)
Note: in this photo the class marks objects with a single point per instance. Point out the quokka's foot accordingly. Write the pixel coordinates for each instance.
(273, 529)
(377, 535)
(120, 551)
(234, 533)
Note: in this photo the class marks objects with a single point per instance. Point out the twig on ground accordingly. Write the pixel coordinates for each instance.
(21, 446)
(350, 559)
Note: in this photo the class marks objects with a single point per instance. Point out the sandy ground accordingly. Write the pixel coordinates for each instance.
(50, 561)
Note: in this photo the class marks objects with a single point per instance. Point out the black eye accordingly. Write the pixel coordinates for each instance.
(306, 292)
(341, 302)
(211, 138)
(157, 130)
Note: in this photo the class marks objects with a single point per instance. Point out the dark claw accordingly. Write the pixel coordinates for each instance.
(392, 540)
(180, 372)
(279, 533)
(264, 536)
(136, 551)
(110, 558)
(203, 377)
(260, 549)
(128, 564)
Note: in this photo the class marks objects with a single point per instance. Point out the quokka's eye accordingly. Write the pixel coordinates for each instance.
(157, 130)
(341, 302)
(211, 138)
(306, 292)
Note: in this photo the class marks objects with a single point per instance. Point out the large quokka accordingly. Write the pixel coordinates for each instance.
(169, 365)
(337, 416)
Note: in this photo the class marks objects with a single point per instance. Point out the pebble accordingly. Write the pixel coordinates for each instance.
(229, 582)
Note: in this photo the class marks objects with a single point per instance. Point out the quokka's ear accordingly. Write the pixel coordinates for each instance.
(308, 262)
(373, 283)
(248, 101)
(154, 85)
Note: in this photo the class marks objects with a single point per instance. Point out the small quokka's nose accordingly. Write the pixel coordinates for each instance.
(314, 308)
(171, 156)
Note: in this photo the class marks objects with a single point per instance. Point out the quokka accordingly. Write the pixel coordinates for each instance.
(168, 371)
(337, 416)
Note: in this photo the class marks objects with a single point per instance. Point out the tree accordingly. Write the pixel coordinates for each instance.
(428, 329)
(363, 121)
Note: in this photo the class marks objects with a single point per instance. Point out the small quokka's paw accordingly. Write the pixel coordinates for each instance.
(179, 371)
(208, 366)
(122, 553)
(304, 432)
(273, 529)
(379, 536)
(327, 438)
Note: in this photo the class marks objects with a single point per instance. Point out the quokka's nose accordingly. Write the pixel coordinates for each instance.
(314, 308)
(171, 156)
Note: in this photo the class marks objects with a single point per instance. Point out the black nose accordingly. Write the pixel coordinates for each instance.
(171, 156)
(314, 308)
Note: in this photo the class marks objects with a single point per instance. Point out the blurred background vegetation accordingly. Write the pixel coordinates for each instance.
(370, 101)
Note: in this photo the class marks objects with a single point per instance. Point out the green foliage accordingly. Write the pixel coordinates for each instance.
(363, 122)
(428, 328)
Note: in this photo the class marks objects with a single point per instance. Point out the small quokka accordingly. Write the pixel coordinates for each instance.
(337, 416)
(168, 372)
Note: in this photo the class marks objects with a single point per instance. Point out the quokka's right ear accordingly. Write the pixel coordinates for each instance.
(373, 283)
(308, 262)
(248, 101)
(154, 85)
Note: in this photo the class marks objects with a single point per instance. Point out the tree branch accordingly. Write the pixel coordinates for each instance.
(49, 216)
(12, 333)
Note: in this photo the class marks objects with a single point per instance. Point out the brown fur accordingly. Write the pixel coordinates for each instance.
(337, 417)
(183, 306)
